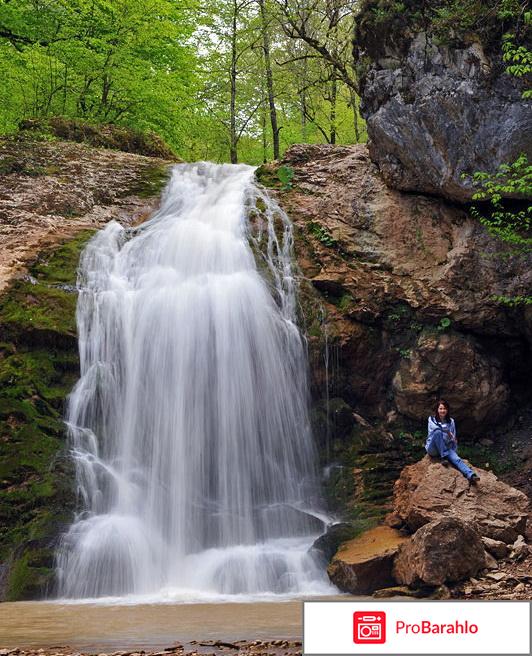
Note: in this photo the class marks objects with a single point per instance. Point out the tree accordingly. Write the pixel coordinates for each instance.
(103, 60)
(269, 77)
(232, 80)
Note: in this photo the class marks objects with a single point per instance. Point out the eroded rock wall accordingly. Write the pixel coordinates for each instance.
(408, 284)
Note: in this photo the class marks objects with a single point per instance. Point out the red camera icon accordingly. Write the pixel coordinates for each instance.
(369, 627)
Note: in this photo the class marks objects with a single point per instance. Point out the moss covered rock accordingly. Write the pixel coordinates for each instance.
(38, 367)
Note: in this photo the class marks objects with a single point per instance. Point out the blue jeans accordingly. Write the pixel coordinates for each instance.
(440, 445)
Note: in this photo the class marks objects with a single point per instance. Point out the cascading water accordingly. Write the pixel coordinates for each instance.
(189, 425)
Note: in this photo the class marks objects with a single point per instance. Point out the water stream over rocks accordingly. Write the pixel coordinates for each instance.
(189, 426)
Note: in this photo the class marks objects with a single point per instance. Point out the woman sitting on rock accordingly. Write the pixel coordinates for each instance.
(441, 440)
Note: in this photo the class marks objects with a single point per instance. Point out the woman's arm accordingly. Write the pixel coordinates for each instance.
(432, 426)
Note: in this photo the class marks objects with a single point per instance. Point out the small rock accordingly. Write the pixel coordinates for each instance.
(360, 420)
(391, 417)
(398, 591)
(491, 563)
(393, 520)
(520, 587)
(496, 576)
(441, 592)
(520, 548)
(496, 548)
(328, 543)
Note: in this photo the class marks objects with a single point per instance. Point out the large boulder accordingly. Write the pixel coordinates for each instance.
(444, 550)
(436, 112)
(427, 491)
(364, 564)
(449, 363)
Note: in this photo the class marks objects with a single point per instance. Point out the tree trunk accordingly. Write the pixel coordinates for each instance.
(334, 93)
(354, 105)
(232, 109)
(264, 139)
(269, 80)
(303, 102)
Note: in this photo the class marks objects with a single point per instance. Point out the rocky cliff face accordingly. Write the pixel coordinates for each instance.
(53, 195)
(437, 107)
(50, 190)
(408, 283)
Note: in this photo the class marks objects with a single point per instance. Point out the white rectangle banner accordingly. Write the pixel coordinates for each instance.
(414, 627)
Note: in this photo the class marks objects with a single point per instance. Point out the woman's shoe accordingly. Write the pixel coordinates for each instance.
(444, 462)
(474, 479)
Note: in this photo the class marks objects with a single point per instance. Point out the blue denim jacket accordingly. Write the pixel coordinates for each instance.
(434, 425)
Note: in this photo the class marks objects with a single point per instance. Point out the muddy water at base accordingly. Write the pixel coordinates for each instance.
(146, 626)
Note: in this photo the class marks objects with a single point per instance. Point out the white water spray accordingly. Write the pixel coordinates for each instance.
(189, 425)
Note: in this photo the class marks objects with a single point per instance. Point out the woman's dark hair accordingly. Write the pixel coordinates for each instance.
(446, 404)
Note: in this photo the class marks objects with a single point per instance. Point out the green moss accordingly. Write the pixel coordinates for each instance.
(38, 367)
(21, 165)
(105, 135)
(38, 308)
(60, 266)
(361, 487)
(152, 182)
(267, 176)
(46, 300)
(29, 575)
(275, 177)
(499, 460)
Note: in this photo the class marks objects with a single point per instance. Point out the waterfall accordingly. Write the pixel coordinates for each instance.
(189, 427)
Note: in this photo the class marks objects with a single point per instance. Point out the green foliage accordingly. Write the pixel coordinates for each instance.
(382, 13)
(345, 302)
(518, 57)
(117, 61)
(448, 21)
(322, 234)
(163, 67)
(509, 224)
(405, 353)
(285, 175)
(513, 301)
(510, 221)
(444, 324)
